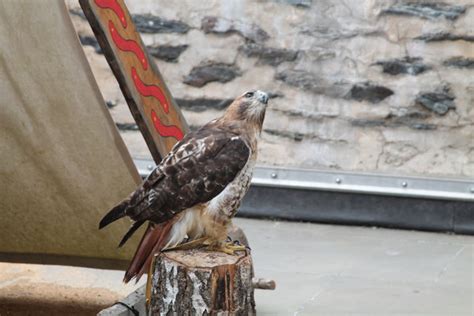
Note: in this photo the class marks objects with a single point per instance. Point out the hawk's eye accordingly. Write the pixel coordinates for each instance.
(249, 94)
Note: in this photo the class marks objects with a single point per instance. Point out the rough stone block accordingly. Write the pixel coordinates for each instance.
(269, 55)
(218, 25)
(440, 102)
(407, 65)
(147, 23)
(209, 72)
(460, 62)
(169, 53)
(426, 10)
(369, 92)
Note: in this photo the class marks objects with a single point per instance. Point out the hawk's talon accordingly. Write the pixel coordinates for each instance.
(233, 247)
(228, 248)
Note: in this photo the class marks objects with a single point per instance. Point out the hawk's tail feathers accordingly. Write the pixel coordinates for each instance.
(114, 214)
(154, 239)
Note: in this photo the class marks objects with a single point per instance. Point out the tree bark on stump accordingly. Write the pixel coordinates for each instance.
(199, 282)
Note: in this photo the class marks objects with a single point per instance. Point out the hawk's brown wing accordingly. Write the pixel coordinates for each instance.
(196, 170)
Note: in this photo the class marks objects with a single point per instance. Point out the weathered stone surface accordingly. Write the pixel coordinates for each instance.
(365, 91)
(412, 119)
(275, 95)
(300, 3)
(407, 65)
(340, 44)
(445, 36)
(209, 72)
(330, 33)
(286, 134)
(297, 3)
(218, 25)
(311, 82)
(439, 102)
(370, 92)
(426, 10)
(368, 123)
(460, 62)
(169, 53)
(301, 79)
(408, 115)
(90, 41)
(203, 104)
(397, 154)
(313, 116)
(269, 55)
(148, 23)
(423, 126)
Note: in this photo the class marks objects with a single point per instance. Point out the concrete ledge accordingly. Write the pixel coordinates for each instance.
(359, 209)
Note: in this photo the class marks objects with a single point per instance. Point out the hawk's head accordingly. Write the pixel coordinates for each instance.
(249, 107)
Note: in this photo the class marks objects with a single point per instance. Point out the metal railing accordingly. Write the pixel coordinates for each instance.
(354, 182)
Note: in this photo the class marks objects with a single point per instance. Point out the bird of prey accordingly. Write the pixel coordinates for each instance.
(197, 188)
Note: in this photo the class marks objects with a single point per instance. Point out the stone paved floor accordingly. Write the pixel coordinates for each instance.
(339, 270)
(319, 270)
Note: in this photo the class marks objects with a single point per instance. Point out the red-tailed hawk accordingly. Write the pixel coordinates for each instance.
(197, 188)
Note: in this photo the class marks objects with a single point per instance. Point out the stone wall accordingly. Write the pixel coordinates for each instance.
(385, 86)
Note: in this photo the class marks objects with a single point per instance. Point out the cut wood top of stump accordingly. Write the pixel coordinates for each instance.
(197, 258)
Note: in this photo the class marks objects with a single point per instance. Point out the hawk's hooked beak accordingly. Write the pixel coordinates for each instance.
(262, 96)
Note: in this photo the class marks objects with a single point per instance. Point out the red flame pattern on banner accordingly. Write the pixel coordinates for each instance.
(144, 89)
(150, 90)
(128, 45)
(166, 130)
(114, 6)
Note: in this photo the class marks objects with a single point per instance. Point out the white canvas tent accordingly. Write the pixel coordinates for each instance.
(62, 161)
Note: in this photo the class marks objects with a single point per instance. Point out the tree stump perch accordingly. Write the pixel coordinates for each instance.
(199, 282)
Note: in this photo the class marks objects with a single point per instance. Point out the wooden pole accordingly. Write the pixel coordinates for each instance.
(157, 115)
(199, 282)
